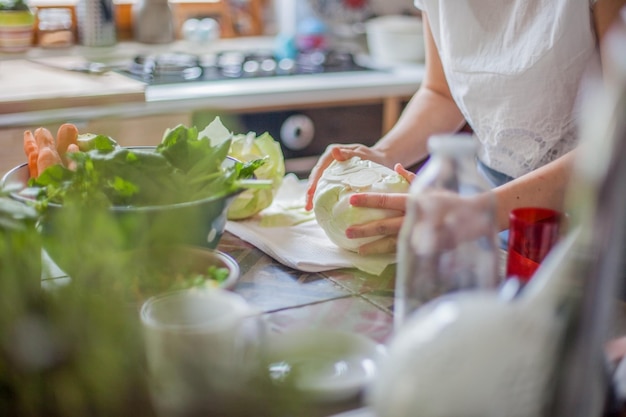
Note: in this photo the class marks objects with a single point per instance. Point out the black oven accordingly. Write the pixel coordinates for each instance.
(305, 133)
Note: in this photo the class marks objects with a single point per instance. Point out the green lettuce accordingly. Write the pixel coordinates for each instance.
(184, 167)
(247, 148)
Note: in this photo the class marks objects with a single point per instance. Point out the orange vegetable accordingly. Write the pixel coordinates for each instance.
(33, 170)
(32, 152)
(30, 145)
(66, 135)
(73, 147)
(44, 138)
(47, 157)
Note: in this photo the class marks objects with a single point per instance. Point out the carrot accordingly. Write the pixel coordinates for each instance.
(73, 147)
(47, 157)
(32, 163)
(44, 138)
(32, 152)
(30, 144)
(66, 135)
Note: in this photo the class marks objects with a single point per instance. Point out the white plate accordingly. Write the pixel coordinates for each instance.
(324, 365)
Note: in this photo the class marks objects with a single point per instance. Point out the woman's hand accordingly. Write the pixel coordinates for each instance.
(339, 153)
(452, 219)
(387, 228)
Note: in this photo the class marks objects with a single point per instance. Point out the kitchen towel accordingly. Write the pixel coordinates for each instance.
(291, 235)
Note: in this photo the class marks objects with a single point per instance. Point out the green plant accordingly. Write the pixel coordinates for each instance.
(14, 5)
(69, 350)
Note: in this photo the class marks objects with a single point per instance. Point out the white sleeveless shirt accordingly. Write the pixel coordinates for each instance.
(514, 68)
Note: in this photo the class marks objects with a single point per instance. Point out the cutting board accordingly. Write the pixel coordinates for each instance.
(31, 86)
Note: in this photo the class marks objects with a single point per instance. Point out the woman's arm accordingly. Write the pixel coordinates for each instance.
(431, 110)
(604, 14)
(543, 187)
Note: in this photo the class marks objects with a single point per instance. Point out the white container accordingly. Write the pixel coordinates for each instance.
(395, 39)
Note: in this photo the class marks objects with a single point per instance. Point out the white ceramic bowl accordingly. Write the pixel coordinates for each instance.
(394, 39)
(324, 365)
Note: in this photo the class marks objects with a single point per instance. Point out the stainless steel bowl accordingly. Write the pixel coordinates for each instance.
(72, 238)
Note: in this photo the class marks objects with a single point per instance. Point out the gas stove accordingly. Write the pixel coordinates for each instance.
(176, 67)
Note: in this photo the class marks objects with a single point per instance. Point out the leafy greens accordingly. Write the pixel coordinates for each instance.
(185, 166)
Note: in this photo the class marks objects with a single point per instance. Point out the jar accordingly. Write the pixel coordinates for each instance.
(54, 29)
(448, 238)
(153, 21)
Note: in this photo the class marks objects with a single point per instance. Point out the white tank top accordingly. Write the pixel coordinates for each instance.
(514, 68)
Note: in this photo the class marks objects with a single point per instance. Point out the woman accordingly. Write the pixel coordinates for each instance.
(511, 70)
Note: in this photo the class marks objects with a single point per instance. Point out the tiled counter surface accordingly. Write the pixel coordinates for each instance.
(343, 299)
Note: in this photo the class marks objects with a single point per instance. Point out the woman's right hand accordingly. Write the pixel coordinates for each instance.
(340, 153)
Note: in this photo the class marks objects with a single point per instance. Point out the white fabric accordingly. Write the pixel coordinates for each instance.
(514, 68)
(299, 242)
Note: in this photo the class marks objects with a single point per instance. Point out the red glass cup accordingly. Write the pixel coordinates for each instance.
(533, 232)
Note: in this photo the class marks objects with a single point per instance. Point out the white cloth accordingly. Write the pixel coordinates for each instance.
(514, 68)
(289, 234)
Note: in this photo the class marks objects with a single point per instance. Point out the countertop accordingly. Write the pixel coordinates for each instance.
(36, 94)
(30, 86)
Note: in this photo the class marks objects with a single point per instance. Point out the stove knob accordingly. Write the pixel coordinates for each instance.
(297, 132)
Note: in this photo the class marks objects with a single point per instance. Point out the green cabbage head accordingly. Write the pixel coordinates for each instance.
(339, 181)
(247, 148)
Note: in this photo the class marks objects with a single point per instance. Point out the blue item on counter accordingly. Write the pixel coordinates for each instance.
(311, 25)
(311, 34)
(285, 47)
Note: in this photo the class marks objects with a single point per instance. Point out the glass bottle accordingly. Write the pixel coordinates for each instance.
(448, 240)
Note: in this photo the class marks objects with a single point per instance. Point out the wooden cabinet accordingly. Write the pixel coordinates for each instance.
(13, 151)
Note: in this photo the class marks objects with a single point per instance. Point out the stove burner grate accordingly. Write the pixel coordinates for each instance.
(170, 65)
(175, 67)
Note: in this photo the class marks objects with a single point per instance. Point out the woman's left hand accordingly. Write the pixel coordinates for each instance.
(387, 228)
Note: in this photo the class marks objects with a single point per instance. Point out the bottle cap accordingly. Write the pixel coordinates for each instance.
(451, 144)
